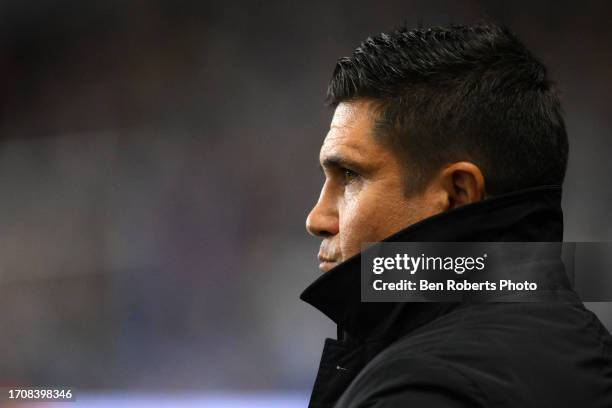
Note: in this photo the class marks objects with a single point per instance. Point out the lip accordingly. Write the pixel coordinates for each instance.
(325, 264)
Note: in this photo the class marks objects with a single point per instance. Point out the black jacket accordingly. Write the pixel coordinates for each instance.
(413, 355)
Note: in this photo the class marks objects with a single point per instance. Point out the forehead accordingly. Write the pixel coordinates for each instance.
(351, 131)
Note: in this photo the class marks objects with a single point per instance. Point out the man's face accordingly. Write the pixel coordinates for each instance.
(363, 198)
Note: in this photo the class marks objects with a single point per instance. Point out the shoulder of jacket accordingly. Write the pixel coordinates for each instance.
(407, 379)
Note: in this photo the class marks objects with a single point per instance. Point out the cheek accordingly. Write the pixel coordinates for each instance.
(373, 217)
(360, 220)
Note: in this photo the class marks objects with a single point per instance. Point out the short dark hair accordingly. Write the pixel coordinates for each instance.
(462, 92)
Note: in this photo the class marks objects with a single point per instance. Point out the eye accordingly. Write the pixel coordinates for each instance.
(349, 176)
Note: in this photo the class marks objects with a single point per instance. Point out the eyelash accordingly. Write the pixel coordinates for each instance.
(346, 173)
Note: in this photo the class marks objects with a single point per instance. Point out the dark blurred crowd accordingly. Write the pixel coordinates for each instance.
(158, 159)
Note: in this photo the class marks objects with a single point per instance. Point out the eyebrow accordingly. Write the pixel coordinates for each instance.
(338, 162)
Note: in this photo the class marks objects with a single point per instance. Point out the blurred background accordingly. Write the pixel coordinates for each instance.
(157, 163)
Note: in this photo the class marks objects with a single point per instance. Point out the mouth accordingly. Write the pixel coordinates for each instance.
(325, 264)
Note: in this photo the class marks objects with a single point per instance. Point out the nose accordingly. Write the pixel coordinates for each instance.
(323, 218)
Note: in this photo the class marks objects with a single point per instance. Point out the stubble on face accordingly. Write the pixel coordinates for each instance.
(364, 197)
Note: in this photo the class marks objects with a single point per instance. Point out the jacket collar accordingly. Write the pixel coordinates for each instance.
(530, 215)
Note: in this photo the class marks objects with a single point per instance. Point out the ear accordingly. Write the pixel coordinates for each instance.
(463, 183)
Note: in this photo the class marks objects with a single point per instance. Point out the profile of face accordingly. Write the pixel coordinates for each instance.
(363, 198)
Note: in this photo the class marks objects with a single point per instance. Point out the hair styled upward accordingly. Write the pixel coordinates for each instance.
(456, 93)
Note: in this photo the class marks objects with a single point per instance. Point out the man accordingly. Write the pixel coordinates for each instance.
(448, 134)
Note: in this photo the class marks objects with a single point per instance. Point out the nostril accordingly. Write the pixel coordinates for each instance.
(317, 227)
(322, 221)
